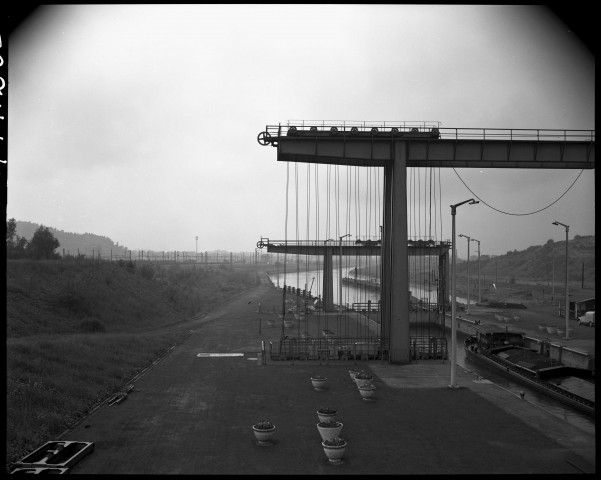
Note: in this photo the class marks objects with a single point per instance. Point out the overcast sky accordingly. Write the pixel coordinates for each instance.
(140, 122)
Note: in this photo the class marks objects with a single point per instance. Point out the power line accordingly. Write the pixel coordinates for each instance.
(519, 214)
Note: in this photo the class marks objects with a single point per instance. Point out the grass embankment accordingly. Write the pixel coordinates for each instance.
(78, 331)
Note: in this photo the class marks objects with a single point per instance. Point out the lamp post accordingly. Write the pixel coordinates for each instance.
(196, 259)
(567, 301)
(453, 384)
(340, 270)
(474, 240)
(468, 271)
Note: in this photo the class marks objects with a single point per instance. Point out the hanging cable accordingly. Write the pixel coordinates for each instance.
(320, 264)
(297, 234)
(286, 221)
(520, 214)
(307, 295)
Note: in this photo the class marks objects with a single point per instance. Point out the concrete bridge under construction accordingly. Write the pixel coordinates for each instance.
(395, 146)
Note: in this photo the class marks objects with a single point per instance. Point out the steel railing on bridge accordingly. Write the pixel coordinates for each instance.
(364, 242)
(332, 348)
(432, 129)
(354, 348)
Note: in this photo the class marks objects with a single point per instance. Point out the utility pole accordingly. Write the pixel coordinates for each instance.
(468, 272)
(553, 279)
(453, 383)
(340, 271)
(567, 300)
(497, 271)
(474, 240)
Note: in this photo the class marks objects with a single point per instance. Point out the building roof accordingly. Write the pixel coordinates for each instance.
(580, 298)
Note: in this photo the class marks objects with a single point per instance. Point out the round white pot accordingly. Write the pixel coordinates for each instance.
(335, 453)
(329, 433)
(367, 392)
(263, 436)
(326, 417)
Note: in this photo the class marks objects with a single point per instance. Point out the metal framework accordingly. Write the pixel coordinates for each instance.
(399, 145)
(428, 145)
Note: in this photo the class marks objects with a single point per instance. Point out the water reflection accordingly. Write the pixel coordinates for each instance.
(312, 280)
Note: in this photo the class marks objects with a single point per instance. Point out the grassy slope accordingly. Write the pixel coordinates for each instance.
(78, 331)
(520, 276)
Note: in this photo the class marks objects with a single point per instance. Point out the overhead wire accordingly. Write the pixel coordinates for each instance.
(518, 214)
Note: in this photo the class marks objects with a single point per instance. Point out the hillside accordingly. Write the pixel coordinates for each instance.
(543, 264)
(78, 330)
(91, 245)
(74, 243)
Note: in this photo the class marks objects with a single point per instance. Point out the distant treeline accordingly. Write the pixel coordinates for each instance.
(90, 245)
(540, 263)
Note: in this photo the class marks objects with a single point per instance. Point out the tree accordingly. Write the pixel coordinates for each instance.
(42, 244)
(11, 231)
(15, 246)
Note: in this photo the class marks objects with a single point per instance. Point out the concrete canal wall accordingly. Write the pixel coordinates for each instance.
(569, 357)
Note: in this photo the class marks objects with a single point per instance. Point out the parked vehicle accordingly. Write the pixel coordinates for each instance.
(587, 319)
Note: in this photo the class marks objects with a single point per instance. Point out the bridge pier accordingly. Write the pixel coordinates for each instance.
(395, 263)
(328, 281)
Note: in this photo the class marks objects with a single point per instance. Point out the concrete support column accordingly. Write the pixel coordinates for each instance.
(386, 264)
(443, 286)
(328, 282)
(396, 291)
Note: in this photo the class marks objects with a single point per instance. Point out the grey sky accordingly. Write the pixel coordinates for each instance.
(139, 122)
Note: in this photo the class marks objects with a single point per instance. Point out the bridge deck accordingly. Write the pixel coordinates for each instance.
(373, 248)
(427, 146)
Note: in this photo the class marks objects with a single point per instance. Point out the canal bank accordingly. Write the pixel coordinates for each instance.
(578, 350)
(192, 414)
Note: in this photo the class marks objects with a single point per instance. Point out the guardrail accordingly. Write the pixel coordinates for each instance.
(412, 241)
(384, 129)
(334, 348)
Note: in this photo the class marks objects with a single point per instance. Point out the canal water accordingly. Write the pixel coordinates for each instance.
(313, 280)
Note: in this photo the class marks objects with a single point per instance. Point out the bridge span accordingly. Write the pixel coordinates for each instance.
(395, 146)
(327, 249)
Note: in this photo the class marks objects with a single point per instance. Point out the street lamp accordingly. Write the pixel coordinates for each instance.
(196, 260)
(474, 240)
(453, 384)
(567, 302)
(340, 270)
(468, 271)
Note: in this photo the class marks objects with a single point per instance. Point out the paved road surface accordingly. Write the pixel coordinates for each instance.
(193, 415)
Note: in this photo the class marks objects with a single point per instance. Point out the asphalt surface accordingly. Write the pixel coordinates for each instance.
(192, 414)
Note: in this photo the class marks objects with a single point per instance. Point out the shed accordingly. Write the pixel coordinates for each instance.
(580, 304)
